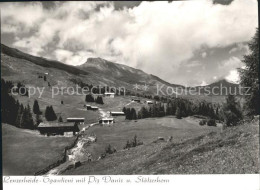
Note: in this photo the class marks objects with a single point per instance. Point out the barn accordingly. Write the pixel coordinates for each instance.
(58, 128)
(88, 107)
(109, 94)
(107, 120)
(76, 119)
(94, 108)
(136, 100)
(149, 102)
(117, 113)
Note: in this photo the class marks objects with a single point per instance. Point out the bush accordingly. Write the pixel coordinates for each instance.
(203, 122)
(134, 143)
(99, 100)
(110, 150)
(89, 98)
(178, 113)
(231, 111)
(211, 122)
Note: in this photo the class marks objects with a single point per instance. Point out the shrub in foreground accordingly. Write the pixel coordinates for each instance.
(133, 143)
(203, 122)
(211, 122)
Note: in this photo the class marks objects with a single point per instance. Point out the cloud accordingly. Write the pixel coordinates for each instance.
(72, 58)
(20, 17)
(157, 37)
(240, 47)
(233, 76)
(231, 63)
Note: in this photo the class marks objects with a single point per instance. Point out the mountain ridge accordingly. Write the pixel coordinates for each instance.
(99, 71)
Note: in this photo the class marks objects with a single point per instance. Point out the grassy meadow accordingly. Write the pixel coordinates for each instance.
(26, 152)
(147, 130)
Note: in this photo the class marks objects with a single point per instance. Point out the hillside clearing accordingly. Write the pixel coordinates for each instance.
(26, 152)
(147, 130)
(233, 151)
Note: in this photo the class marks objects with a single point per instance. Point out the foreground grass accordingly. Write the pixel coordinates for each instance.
(233, 151)
(147, 130)
(26, 152)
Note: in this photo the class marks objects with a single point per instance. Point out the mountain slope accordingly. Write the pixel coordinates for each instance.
(232, 151)
(121, 72)
(17, 65)
(41, 61)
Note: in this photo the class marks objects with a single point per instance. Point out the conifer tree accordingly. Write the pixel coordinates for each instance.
(36, 108)
(232, 111)
(250, 77)
(19, 116)
(60, 119)
(89, 98)
(50, 114)
(178, 113)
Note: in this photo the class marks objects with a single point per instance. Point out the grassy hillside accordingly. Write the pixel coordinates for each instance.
(235, 150)
(41, 61)
(26, 152)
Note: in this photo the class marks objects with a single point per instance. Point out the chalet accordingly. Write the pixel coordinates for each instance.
(58, 128)
(107, 120)
(117, 113)
(136, 100)
(88, 107)
(98, 94)
(149, 102)
(76, 119)
(94, 108)
(109, 94)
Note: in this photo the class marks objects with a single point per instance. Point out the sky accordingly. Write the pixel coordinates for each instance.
(183, 42)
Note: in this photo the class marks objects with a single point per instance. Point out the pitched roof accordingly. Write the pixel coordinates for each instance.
(110, 118)
(76, 118)
(56, 124)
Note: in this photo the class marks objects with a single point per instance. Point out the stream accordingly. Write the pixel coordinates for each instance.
(79, 152)
(76, 154)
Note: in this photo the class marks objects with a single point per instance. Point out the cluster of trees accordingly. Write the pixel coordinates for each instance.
(178, 107)
(90, 98)
(130, 113)
(230, 112)
(99, 100)
(12, 111)
(15, 113)
(133, 143)
(24, 118)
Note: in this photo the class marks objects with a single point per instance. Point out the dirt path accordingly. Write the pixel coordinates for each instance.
(77, 154)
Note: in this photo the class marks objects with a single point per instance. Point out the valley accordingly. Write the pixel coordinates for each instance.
(169, 144)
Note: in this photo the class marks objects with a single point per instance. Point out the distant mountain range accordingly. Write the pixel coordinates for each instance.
(215, 88)
(17, 65)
